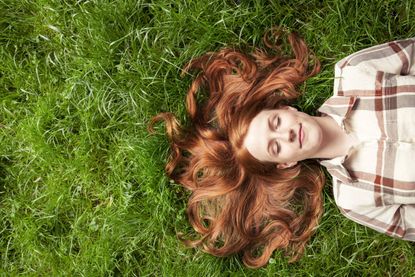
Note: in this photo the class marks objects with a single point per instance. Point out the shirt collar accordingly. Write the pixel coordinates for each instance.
(338, 107)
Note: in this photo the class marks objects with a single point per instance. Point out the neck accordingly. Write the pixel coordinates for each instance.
(336, 142)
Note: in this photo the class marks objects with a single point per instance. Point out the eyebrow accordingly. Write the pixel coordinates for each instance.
(270, 120)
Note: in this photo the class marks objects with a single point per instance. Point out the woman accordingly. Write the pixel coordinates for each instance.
(250, 160)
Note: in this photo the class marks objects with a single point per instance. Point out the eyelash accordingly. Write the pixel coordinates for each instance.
(278, 147)
(276, 127)
(278, 123)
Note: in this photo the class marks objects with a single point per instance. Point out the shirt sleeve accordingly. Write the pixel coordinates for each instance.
(357, 204)
(396, 57)
(393, 220)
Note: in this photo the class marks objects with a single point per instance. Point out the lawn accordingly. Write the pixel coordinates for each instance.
(82, 184)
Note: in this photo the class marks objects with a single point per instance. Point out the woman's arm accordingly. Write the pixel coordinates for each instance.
(393, 220)
(396, 57)
(386, 209)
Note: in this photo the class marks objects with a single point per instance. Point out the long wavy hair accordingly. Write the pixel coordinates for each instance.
(238, 204)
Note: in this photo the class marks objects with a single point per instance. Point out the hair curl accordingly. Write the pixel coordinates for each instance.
(238, 204)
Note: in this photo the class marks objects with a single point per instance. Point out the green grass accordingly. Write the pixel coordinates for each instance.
(82, 188)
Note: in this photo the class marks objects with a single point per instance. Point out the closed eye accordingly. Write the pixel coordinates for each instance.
(277, 123)
(270, 148)
(273, 148)
(274, 122)
(276, 147)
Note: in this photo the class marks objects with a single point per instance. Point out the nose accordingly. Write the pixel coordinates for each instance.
(287, 135)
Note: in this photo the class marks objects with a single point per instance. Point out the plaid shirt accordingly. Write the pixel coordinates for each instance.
(374, 99)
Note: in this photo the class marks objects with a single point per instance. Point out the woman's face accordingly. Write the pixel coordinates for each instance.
(284, 136)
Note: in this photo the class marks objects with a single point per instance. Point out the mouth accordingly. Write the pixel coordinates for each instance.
(300, 135)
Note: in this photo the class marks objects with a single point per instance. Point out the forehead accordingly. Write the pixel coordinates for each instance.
(256, 138)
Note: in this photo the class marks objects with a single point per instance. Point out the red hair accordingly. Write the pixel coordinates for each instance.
(238, 204)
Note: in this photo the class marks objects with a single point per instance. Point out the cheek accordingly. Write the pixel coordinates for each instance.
(290, 154)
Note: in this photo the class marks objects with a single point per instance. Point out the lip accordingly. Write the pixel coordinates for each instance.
(300, 135)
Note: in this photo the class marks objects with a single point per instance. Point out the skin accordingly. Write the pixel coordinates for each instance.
(285, 136)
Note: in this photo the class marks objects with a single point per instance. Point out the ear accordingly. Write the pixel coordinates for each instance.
(286, 165)
(288, 108)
